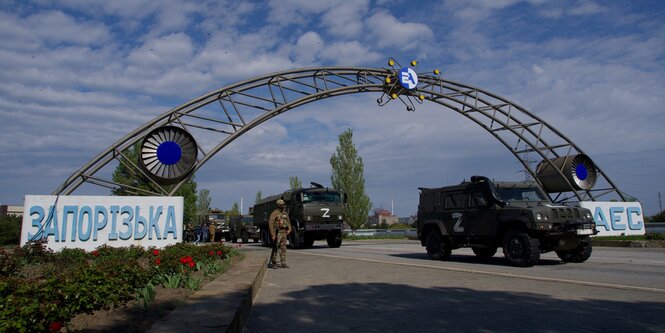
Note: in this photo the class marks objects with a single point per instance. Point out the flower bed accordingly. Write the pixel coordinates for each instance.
(42, 291)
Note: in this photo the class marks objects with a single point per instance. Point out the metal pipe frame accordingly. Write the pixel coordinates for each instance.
(226, 111)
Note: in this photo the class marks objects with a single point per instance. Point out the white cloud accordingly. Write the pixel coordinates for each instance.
(308, 47)
(389, 31)
(350, 53)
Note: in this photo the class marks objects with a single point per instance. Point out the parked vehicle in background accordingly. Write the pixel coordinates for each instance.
(517, 216)
(222, 230)
(243, 227)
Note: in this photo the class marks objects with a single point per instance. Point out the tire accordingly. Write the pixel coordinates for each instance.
(227, 237)
(436, 247)
(245, 236)
(309, 241)
(520, 249)
(334, 239)
(234, 238)
(256, 240)
(484, 252)
(580, 254)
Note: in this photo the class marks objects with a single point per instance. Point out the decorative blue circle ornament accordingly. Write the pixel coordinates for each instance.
(168, 154)
(408, 78)
(581, 172)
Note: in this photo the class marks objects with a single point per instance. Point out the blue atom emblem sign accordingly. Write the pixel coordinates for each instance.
(408, 78)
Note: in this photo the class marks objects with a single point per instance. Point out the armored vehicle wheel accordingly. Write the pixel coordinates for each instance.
(436, 247)
(309, 241)
(334, 239)
(245, 237)
(580, 254)
(256, 240)
(484, 252)
(520, 249)
(227, 237)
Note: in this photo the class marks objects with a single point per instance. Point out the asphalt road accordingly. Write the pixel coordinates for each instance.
(391, 286)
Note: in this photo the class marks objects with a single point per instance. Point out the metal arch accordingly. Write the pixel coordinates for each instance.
(224, 114)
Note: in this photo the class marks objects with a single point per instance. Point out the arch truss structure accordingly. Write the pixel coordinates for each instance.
(212, 121)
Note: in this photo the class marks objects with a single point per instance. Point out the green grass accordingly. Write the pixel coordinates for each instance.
(655, 236)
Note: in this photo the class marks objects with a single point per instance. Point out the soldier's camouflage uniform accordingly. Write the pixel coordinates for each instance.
(279, 224)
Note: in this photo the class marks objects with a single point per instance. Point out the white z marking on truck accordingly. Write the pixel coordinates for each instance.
(326, 210)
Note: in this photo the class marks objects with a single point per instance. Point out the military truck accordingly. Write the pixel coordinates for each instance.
(316, 213)
(218, 218)
(243, 227)
(516, 216)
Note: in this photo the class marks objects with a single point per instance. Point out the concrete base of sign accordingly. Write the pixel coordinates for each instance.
(625, 243)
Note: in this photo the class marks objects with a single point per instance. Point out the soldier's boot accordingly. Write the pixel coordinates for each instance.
(284, 265)
(273, 264)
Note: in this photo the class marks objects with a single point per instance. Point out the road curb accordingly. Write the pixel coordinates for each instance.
(240, 317)
(222, 305)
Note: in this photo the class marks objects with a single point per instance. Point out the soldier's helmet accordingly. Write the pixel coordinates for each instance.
(280, 203)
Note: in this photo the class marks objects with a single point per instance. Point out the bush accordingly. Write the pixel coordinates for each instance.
(10, 230)
(41, 290)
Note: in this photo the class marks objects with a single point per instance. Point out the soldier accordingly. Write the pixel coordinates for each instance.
(211, 231)
(280, 227)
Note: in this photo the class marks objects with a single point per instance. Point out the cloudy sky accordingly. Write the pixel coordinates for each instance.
(78, 75)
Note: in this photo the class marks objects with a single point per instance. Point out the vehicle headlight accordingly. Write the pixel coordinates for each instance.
(588, 215)
(539, 216)
(339, 217)
(309, 218)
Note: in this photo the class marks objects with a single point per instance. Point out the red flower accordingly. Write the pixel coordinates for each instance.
(185, 260)
(219, 253)
(55, 326)
(191, 264)
(210, 253)
(94, 253)
(155, 252)
(158, 261)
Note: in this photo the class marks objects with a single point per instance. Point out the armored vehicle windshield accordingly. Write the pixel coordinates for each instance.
(520, 192)
(324, 197)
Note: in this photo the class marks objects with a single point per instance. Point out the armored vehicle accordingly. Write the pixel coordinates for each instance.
(315, 213)
(517, 216)
(243, 227)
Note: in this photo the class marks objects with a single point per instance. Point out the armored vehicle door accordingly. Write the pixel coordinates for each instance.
(453, 216)
(480, 214)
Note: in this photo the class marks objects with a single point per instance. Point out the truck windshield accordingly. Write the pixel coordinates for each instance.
(247, 220)
(321, 197)
(520, 194)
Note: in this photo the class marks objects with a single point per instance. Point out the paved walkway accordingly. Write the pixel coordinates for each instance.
(223, 304)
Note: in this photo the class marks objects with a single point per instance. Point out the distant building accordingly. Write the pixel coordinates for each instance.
(11, 210)
(382, 216)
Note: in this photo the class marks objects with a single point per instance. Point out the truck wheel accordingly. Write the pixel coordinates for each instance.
(256, 240)
(245, 237)
(436, 247)
(234, 238)
(309, 241)
(580, 254)
(334, 239)
(227, 237)
(520, 249)
(484, 252)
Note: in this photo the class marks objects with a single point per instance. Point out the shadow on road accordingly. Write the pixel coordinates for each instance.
(472, 259)
(385, 307)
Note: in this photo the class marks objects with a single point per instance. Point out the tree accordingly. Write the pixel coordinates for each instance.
(235, 210)
(347, 176)
(295, 182)
(259, 196)
(203, 206)
(130, 177)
